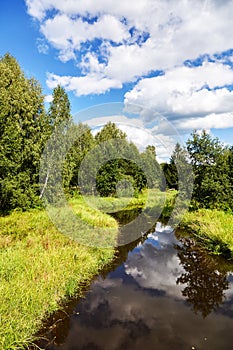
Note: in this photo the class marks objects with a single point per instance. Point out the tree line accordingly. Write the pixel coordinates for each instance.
(26, 126)
(212, 166)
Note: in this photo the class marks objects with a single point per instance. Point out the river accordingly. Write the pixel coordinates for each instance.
(160, 293)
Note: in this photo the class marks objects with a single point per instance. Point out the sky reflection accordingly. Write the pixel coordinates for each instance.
(144, 303)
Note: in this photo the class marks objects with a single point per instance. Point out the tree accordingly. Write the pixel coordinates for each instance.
(151, 167)
(209, 159)
(109, 131)
(82, 145)
(177, 172)
(114, 146)
(23, 126)
(230, 175)
(113, 166)
(204, 282)
(59, 109)
(60, 137)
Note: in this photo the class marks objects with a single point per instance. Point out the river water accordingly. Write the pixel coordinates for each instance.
(160, 293)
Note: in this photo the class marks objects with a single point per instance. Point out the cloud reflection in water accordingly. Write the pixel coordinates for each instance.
(141, 305)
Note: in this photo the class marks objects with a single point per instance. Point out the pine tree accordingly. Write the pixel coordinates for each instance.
(151, 167)
(59, 109)
(110, 131)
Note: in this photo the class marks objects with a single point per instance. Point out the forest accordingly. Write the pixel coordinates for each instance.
(26, 126)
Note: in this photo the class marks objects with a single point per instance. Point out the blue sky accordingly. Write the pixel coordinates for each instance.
(157, 57)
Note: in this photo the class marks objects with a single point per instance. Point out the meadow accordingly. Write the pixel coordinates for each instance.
(40, 268)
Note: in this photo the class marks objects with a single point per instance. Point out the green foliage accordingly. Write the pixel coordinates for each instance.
(59, 109)
(138, 170)
(178, 172)
(60, 123)
(22, 136)
(212, 170)
(108, 132)
(118, 167)
(171, 176)
(151, 168)
(211, 166)
(118, 172)
(25, 129)
(229, 171)
(82, 145)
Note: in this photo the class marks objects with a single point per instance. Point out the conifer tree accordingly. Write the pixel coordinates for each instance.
(22, 135)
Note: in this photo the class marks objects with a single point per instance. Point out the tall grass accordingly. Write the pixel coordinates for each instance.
(149, 199)
(213, 228)
(110, 204)
(39, 267)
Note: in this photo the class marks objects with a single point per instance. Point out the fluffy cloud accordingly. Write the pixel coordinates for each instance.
(192, 97)
(113, 43)
(211, 121)
(84, 85)
(67, 33)
(175, 31)
(167, 270)
(38, 8)
(139, 134)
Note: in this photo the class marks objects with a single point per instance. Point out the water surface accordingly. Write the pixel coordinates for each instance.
(160, 294)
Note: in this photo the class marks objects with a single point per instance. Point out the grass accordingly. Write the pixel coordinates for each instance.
(150, 199)
(162, 202)
(113, 204)
(213, 229)
(92, 214)
(39, 267)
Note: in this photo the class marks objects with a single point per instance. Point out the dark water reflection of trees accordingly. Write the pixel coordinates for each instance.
(137, 300)
(205, 281)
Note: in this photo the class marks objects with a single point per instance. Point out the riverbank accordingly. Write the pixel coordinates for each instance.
(40, 267)
(213, 229)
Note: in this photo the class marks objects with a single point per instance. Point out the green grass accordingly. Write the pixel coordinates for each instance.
(161, 201)
(39, 267)
(213, 228)
(111, 204)
(92, 214)
(148, 198)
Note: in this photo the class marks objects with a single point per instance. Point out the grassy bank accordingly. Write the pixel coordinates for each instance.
(148, 199)
(112, 204)
(213, 229)
(40, 267)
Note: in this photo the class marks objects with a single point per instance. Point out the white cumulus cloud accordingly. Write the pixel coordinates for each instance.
(117, 42)
(192, 97)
